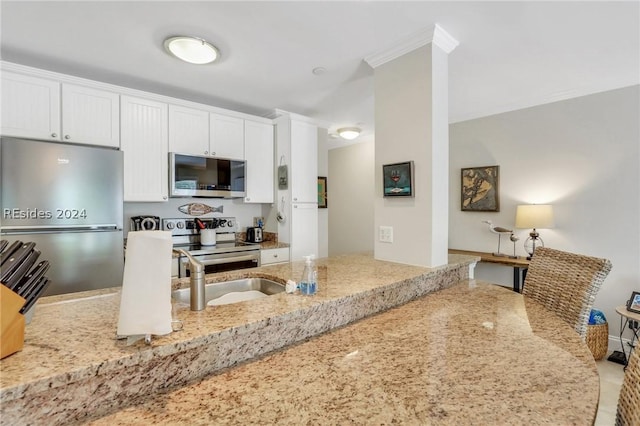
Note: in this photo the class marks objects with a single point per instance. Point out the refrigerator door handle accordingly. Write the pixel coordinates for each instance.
(13, 230)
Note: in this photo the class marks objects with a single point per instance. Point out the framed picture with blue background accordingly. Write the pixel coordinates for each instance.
(398, 179)
(633, 304)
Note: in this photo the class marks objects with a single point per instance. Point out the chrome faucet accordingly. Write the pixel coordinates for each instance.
(196, 281)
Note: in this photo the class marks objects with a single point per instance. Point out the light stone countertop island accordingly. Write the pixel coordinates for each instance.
(471, 353)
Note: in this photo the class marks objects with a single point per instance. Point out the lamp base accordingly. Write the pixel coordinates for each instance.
(534, 241)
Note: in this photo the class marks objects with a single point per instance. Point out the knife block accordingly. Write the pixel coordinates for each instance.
(11, 322)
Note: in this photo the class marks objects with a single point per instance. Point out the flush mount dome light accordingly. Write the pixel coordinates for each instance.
(349, 133)
(191, 49)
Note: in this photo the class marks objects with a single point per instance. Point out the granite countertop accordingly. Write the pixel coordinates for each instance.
(72, 366)
(474, 353)
(270, 240)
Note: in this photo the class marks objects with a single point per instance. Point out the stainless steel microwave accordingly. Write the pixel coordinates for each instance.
(202, 176)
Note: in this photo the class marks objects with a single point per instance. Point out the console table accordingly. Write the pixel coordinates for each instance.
(519, 264)
(625, 317)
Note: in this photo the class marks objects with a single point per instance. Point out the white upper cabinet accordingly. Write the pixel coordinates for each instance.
(226, 136)
(145, 144)
(304, 162)
(188, 130)
(258, 153)
(38, 108)
(90, 116)
(200, 132)
(30, 107)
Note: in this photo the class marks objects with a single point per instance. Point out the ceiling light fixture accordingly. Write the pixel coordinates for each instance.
(191, 49)
(349, 133)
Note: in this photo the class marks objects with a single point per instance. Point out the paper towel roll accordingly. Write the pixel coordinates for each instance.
(145, 305)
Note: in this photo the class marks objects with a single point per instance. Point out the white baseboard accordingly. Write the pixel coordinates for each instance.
(615, 345)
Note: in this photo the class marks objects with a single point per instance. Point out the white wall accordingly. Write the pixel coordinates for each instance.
(581, 155)
(350, 199)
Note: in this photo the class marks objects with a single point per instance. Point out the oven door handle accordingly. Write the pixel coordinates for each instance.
(229, 259)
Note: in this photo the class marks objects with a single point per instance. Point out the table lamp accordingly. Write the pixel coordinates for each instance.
(534, 216)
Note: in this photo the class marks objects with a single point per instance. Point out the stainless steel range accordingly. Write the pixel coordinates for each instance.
(226, 255)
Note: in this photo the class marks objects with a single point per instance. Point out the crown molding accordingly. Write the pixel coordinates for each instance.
(277, 113)
(436, 35)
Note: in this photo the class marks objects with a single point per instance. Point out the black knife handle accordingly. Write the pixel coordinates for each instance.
(15, 261)
(32, 298)
(31, 279)
(22, 269)
(6, 255)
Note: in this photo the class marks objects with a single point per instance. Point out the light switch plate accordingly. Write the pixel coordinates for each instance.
(385, 234)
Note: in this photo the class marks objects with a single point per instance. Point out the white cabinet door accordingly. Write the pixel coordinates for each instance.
(30, 107)
(304, 162)
(271, 256)
(226, 137)
(144, 140)
(90, 116)
(188, 130)
(258, 153)
(304, 231)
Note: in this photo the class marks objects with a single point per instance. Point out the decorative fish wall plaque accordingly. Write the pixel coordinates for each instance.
(198, 209)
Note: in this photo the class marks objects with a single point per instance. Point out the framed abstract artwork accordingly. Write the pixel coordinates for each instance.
(398, 179)
(322, 192)
(479, 191)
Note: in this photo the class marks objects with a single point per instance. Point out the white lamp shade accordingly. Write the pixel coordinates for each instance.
(534, 216)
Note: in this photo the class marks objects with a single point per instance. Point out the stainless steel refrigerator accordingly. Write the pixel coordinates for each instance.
(68, 199)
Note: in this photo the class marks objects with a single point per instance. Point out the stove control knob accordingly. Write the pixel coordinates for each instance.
(230, 223)
(170, 225)
(180, 225)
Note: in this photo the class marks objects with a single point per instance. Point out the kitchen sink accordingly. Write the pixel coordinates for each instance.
(232, 291)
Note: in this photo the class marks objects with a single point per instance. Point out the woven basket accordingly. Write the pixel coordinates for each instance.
(598, 339)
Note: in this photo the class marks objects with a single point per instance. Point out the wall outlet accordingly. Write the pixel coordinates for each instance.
(385, 234)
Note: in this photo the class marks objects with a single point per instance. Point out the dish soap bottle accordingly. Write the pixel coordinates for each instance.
(309, 281)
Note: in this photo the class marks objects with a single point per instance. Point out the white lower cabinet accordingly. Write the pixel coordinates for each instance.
(145, 144)
(271, 256)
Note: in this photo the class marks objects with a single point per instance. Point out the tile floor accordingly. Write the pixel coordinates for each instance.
(611, 375)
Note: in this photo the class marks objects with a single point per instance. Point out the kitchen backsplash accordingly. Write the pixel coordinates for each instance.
(244, 213)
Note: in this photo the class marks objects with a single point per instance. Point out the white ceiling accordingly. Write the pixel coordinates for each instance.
(511, 54)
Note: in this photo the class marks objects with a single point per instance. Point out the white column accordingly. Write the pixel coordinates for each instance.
(411, 114)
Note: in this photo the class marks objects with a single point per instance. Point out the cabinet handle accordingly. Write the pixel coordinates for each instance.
(213, 153)
(164, 197)
(67, 137)
(54, 135)
(206, 152)
(295, 199)
(248, 199)
(275, 255)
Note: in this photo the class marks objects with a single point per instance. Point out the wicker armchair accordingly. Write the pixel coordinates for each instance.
(566, 284)
(629, 401)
